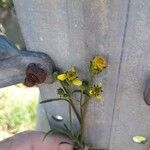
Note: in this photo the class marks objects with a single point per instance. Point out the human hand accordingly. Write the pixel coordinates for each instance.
(33, 140)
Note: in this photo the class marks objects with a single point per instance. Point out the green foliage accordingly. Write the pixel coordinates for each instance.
(16, 116)
(6, 3)
(62, 93)
(54, 99)
(70, 133)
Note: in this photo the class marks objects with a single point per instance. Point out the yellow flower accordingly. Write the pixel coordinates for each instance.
(98, 63)
(77, 82)
(96, 91)
(71, 74)
(62, 77)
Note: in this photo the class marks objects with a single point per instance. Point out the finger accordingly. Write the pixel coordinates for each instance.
(66, 147)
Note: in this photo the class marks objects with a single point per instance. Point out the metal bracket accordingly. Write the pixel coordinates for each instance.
(21, 66)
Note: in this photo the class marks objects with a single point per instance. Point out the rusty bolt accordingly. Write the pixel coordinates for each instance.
(34, 75)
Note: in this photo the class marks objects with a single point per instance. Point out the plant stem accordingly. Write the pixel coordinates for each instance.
(91, 79)
(81, 112)
(71, 105)
(75, 111)
(64, 87)
(84, 107)
(70, 115)
(84, 113)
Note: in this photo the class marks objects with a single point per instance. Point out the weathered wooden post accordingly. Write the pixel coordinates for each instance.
(71, 32)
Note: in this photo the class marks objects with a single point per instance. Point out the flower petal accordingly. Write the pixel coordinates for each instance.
(91, 92)
(98, 97)
(77, 82)
(98, 63)
(61, 77)
(73, 69)
(99, 85)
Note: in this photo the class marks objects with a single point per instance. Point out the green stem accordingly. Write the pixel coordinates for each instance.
(91, 79)
(84, 107)
(70, 115)
(64, 87)
(84, 114)
(75, 111)
(84, 102)
(81, 111)
(71, 104)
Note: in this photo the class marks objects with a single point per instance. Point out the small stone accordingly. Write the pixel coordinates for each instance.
(41, 39)
(139, 139)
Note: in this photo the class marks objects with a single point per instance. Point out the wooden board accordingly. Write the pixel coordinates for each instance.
(132, 115)
(71, 32)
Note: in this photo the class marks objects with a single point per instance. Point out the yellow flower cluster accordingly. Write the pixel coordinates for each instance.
(98, 64)
(96, 91)
(70, 76)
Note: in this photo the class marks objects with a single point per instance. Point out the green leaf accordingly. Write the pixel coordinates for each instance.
(70, 131)
(58, 130)
(49, 132)
(74, 136)
(66, 127)
(54, 99)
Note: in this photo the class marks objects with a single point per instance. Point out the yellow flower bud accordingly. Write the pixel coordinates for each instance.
(71, 74)
(61, 77)
(98, 96)
(96, 91)
(77, 82)
(91, 92)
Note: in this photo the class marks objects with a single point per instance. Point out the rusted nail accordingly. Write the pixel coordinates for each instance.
(34, 75)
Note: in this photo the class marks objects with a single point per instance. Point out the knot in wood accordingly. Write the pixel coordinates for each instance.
(34, 75)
